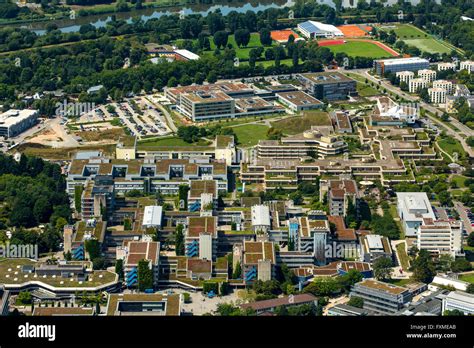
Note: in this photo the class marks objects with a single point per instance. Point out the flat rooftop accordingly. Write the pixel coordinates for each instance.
(327, 77)
(173, 307)
(13, 116)
(299, 98)
(381, 286)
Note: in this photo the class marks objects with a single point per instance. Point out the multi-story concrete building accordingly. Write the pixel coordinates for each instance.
(299, 101)
(373, 247)
(382, 298)
(440, 237)
(328, 85)
(405, 76)
(132, 252)
(427, 75)
(446, 66)
(412, 208)
(445, 84)
(145, 175)
(14, 122)
(312, 143)
(461, 301)
(260, 218)
(417, 84)
(258, 261)
(467, 65)
(437, 95)
(339, 193)
(223, 100)
(201, 237)
(394, 65)
(152, 216)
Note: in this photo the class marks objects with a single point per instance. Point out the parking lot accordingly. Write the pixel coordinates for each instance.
(141, 117)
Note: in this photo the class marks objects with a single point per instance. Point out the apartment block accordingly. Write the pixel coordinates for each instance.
(446, 66)
(405, 76)
(437, 95)
(445, 84)
(427, 75)
(467, 65)
(417, 84)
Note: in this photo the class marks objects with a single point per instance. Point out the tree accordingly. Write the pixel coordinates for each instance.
(179, 240)
(92, 246)
(453, 313)
(237, 274)
(349, 279)
(324, 286)
(423, 267)
(470, 288)
(265, 37)
(119, 268)
(25, 298)
(221, 38)
(242, 37)
(470, 239)
(356, 302)
(145, 275)
(382, 268)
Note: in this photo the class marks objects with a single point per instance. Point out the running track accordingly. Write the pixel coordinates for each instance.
(378, 43)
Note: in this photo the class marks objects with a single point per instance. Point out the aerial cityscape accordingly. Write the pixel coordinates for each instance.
(219, 158)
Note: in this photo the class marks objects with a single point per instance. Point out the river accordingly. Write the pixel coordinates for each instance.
(100, 20)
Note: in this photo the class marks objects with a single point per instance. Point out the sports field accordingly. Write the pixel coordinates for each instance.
(416, 37)
(360, 49)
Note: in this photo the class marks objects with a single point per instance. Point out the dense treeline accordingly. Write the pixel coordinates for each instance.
(32, 192)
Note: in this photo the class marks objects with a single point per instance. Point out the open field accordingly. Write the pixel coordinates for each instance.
(248, 135)
(298, 124)
(360, 49)
(102, 135)
(416, 37)
(34, 149)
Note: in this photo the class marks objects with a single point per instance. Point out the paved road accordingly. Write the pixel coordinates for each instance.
(461, 209)
(165, 112)
(462, 128)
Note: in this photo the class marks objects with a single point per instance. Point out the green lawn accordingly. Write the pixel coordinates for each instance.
(428, 45)
(405, 31)
(416, 37)
(248, 135)
(467, 277)
(459, 180)
(402, 256)
(241, 52)
(366, 90)
(451, 146)
(360, 49)
(298, 124)
(171, 141)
